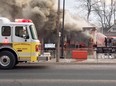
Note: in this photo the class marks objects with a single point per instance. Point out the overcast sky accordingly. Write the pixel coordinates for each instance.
(69, 5)
(72, 4)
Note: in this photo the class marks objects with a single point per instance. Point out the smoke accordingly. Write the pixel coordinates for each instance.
(42, 12)
(74, 22)
(75, 25)
(10, 9)
(100, 39)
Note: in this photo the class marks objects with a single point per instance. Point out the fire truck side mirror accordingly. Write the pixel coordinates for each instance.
(25, 34)
(25, 37)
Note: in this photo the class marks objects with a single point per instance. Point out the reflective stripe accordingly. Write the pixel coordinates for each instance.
(25, 59)
(23, 54)
(34, 54)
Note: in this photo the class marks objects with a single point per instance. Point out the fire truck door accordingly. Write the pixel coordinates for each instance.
(22, 44)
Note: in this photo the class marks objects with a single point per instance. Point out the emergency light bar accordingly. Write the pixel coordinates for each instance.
(23, 20)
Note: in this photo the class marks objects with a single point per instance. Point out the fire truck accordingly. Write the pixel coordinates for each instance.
(18, 42)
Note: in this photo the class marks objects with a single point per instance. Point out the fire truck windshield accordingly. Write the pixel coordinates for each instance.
(33, 32)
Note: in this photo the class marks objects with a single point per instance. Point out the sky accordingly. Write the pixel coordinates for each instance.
(69, 5)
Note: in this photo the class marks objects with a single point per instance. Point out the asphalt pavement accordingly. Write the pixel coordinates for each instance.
(66, 72)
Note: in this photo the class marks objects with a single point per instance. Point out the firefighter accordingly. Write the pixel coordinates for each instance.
(105, 41)
(110, 42)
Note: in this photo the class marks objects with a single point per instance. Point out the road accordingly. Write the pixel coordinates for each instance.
(59, 75)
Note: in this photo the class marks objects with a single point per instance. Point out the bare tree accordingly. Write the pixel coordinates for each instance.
(87, 4)
(105, 13)
(88, 8)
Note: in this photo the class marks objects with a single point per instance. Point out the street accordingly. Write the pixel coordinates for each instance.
(59, 75)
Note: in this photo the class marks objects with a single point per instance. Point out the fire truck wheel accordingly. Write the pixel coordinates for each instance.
(7, 60)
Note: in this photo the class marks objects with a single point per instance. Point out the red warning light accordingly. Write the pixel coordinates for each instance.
(36, 48)
(23, 20)
(5, 41)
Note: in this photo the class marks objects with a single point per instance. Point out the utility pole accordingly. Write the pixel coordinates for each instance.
(62, 32)
(114, 11)
(58, 36)
(104, 17)
(114, 15)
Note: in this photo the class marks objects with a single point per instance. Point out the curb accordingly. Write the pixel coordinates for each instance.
(74, 61)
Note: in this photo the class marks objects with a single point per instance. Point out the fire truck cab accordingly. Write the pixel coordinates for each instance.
(18, 42)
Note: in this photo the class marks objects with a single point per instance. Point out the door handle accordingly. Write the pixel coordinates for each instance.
(19, 50)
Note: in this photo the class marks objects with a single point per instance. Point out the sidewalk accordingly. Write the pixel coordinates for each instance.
(76, 61)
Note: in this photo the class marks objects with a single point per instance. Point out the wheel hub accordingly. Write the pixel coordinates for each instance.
(4, 60)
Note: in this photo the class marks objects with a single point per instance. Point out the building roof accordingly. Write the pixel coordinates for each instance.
(111, 31)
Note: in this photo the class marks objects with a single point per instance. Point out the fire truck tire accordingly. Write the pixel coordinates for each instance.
(7, 60)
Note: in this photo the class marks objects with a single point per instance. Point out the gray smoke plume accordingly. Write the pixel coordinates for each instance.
(10, 9)
(74, 22)
(42, 12)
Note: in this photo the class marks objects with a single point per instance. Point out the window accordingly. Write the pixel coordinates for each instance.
(6, 31)
(33, 32)
(114, 28)
(20, 31)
